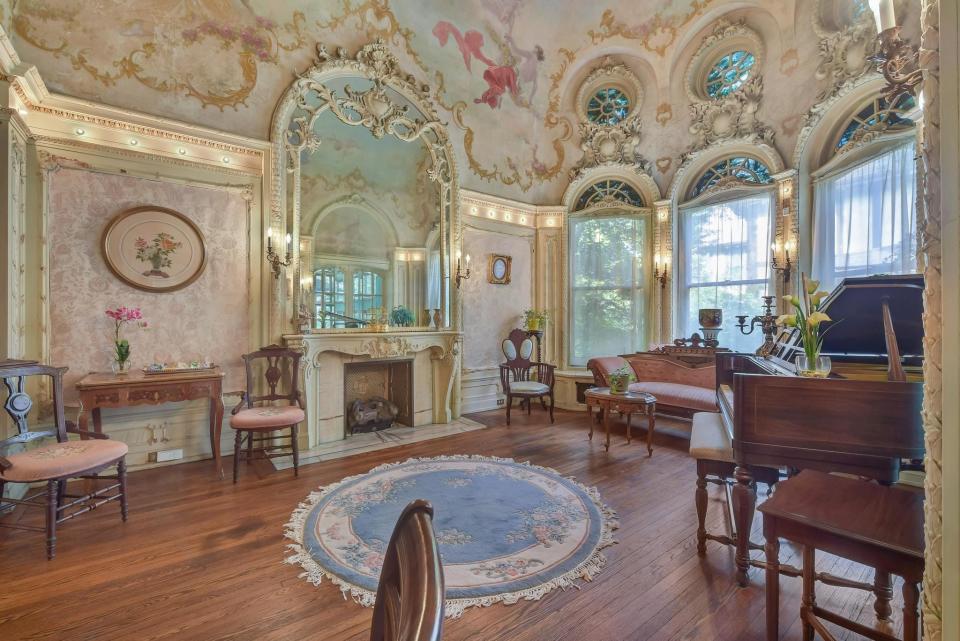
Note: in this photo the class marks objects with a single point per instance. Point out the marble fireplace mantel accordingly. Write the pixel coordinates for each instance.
(436, 370)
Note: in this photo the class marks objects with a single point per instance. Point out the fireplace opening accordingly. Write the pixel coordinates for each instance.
(377, 395)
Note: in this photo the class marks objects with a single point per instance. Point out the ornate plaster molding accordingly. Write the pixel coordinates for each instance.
(610, 73)
(845, 56)
(610, 145)
(642, 181)
(729, 118)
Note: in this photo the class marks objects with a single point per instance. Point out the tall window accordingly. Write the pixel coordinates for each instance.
(724, 263)
(608, 255)
(330, 296)
(865, 218)
(367, 293)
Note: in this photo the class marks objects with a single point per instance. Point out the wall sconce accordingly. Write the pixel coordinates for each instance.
(462, 275)
(785, 267)
(274, 259)
(897, 60)
(660, 271)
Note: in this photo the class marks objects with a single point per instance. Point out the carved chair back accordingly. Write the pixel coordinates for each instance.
(275, 360)
(517, 348)
(410, 595)
(18, 403)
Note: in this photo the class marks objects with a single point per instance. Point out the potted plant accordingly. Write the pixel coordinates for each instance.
(807, 319)
(401, 316)
(620, 379)
(121, 346)
(534, 319)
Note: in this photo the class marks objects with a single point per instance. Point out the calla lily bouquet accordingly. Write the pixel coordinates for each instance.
(807, 318)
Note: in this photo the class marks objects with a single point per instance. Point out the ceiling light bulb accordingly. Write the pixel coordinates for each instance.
(226, 160)
(182, 151)
(22, 111)
(80, 131)
(134, 142)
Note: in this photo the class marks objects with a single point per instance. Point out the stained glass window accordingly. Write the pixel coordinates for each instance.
(608, 106)
(742, 169)
(729, 73)
(607, 191)
(879, 113)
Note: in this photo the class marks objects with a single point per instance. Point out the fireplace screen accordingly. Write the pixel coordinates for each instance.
(377, 395)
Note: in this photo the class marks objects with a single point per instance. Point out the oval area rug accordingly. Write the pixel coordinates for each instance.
(506, 530)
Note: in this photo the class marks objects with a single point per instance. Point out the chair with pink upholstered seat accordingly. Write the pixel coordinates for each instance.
(255, 422)
(54, 463)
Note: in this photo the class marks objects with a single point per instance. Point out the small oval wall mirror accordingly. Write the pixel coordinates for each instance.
(499, 269)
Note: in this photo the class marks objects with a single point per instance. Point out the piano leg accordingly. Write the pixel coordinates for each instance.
(700, 498)
(744, 504)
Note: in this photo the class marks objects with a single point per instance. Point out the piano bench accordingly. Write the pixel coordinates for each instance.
(881, 527)
(710, 446)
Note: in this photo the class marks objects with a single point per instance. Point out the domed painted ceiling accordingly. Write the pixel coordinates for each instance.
(504, 73)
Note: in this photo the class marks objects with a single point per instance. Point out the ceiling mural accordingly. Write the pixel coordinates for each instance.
(503, 73)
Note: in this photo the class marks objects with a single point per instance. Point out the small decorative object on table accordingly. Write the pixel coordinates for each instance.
(807, 320)
(534, 319)
(437, 319)
(304, 320)
(179, 367)
(121, 346)
(379, 320)
(620, 380)
(401, 316)
(711, 322)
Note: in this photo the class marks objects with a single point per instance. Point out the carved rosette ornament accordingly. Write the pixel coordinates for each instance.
(610, 145)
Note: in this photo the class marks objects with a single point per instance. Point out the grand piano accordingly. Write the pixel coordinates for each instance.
(863, 419)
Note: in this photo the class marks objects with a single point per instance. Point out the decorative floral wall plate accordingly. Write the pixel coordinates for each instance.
(154, 249)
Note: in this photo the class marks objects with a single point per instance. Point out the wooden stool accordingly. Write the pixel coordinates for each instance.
(878, 526)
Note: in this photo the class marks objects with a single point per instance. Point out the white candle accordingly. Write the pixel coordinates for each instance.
(883, 12)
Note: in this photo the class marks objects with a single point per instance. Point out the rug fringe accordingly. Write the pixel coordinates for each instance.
(453, 608)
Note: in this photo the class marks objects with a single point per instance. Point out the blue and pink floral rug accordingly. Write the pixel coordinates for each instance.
(506, 530)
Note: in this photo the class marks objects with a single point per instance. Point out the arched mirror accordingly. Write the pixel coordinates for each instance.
(368, 196)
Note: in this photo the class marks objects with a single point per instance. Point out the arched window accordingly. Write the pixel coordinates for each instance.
(330, 297)
(723, 245)
(608, 192)
(865, 218)
(729, 73)
(739, 169)
(609, 247)
(878, 115)
(608, 106)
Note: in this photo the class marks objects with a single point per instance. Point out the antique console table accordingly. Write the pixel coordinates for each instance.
(98, 390)
(628, 403)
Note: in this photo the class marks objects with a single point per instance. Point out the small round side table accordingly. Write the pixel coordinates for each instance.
(627, 404)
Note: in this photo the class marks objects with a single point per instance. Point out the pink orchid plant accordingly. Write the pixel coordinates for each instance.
(121, 316)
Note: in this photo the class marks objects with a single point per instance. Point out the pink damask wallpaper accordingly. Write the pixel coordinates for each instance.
(207, 318)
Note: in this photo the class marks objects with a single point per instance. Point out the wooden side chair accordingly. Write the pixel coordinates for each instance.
(56, 462)
(410, 594)
(255, 424)
(515, 374)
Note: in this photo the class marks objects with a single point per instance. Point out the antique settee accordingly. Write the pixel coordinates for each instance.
(684, 384)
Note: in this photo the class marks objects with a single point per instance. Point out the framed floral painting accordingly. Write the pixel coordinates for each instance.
(154, 249)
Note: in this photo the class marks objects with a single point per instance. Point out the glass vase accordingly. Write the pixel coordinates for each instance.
(819, 368)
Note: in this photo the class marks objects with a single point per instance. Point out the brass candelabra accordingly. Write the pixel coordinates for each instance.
(767, 323)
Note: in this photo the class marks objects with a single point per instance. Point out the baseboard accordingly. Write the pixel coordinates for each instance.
(481, 390)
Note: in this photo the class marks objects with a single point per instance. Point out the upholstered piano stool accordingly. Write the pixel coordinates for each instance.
(710, 446)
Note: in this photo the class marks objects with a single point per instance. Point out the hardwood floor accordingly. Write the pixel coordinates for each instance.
(203, 559)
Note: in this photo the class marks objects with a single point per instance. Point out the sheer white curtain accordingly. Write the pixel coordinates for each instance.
(724, 263)
(865, 219)
(608, 255)
(433, 280)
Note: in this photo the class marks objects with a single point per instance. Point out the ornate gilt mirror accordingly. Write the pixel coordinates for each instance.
(367, 192)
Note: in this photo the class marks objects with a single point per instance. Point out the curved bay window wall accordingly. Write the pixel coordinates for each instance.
(865, 214)
(724, 230)
(609, 260)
